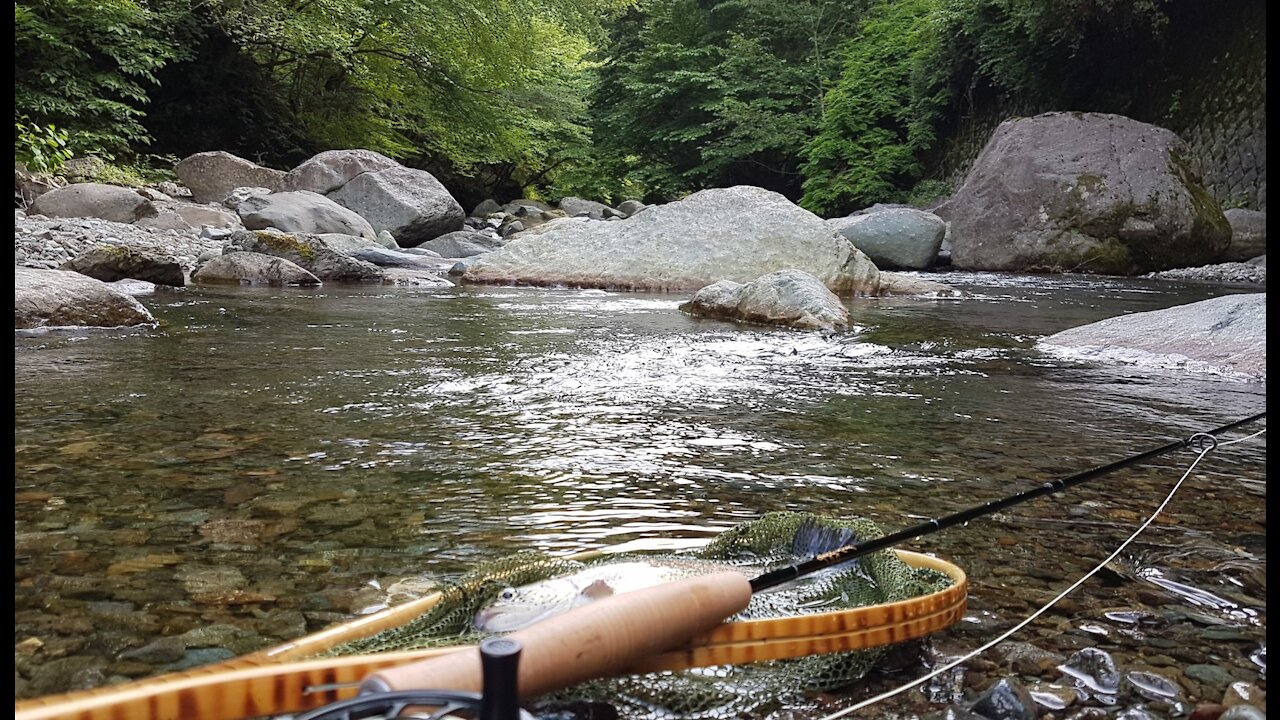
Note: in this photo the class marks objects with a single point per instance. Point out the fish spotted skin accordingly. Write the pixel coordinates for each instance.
(520, 607)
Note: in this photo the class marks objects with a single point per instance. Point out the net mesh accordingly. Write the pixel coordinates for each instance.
(713, 693)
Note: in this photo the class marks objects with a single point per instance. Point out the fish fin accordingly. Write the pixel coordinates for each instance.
(813, 538)
(597, 590)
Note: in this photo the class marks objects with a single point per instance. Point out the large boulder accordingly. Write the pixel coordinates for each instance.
(410, 204)
(95, 200)
(59, 298)
(463, 243)
(110, 263)
(895, 238)
(308, 251)
(1248, 234)
(185, 216)
(212, 176)
(578, 207)
(737, 234)
(787, 297)
(301, 211)
(332, 169)
(1086, 192)
(627, 208)
(27, 185)
(1224, 333)
(251, 268)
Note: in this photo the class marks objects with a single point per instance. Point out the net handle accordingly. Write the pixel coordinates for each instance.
(597, 639)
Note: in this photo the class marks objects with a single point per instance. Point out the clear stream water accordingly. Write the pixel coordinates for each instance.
(275, 460)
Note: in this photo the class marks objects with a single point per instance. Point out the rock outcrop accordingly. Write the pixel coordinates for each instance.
(1225, 333)
(251, 268)
(895, 238)
(302, 211)
(410, 204)
(332, 169)
(736, 234)
(791, 298)
(1248, 234)
(60, 298)
(93, 200)
(110, 263)
(212, 176)
(1085, 192)
(308, 251)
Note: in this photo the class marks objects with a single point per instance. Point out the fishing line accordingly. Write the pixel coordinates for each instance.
(1208, 446)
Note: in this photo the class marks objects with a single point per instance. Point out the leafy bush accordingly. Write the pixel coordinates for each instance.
(42, 148)
(85, 65)
(880, 115)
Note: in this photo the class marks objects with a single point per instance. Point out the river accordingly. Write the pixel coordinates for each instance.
(275, 460)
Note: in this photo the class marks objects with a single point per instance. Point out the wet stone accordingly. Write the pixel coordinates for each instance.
(1224, 632)
(203, 656)
(1006, 700)
(130, 668)
(1152, 686)
(164, 650)
(1243, 693)
(1095, 669)
(1211, 675)
(1138, 713)
(1053, 697)
(78, 672)
(1243, 712)
(1207, 711)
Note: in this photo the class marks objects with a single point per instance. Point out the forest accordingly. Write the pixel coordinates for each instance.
(837, 104)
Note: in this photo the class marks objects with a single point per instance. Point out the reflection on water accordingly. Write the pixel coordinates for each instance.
(268, 454)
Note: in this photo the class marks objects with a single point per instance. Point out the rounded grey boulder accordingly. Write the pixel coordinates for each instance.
(1083, 192)
(895, 238)
(60, 298)
(95, 200)
(788, 297)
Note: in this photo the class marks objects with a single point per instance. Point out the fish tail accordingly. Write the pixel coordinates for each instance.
(814, 538)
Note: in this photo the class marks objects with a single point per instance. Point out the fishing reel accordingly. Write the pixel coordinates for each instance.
(499, 660)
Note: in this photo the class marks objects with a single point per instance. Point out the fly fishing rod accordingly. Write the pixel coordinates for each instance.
(607, 636)
(854, 550)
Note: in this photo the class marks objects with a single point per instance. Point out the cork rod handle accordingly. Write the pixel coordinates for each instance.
(595, 640)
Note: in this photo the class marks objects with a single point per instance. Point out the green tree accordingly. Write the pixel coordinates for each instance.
(85, 66)
(695, 94)
(880, 116)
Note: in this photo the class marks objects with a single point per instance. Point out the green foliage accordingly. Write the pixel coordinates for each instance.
(928, 191)
(696, 94)
(880, 116)
(85, 65)
(42, 148)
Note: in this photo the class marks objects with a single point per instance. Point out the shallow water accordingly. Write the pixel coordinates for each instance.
(271, 459)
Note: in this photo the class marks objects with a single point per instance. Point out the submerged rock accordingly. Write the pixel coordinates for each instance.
(788, 297)
(736, 234)
(1094, 669)
(1225, 333)
(1091, 192)
(60, 298)
(1006, 700)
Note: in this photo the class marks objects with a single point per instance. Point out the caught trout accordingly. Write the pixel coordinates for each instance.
(518, 607)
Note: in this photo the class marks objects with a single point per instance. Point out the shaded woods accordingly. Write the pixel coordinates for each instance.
(835, 104)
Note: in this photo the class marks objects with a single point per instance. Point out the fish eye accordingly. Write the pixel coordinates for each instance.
(508, 594)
